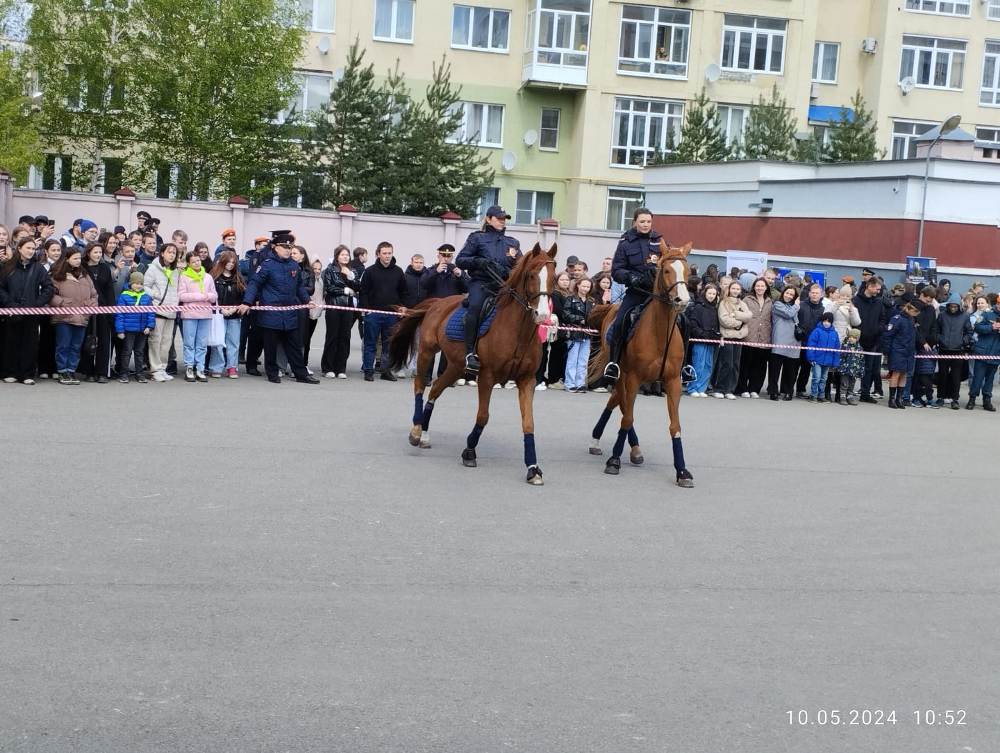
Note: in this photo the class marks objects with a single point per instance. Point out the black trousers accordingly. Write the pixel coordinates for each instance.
(99, 363)
(47, 347)
(781, 372)
(753, 368)
(337, 343)
(307, 325)
(291, 341)
(133, 344)
(557, 360)
(20, 348)
(255, 341)
(805, 369)
(869, 375)
(950, 375)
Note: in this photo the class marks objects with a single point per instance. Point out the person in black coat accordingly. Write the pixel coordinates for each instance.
(24, 282)
(488, 256)
(416, 273)
(96, 364)
(874, 315)
(632, 267)
(810, 312)
(280, 282)
(383, 287)
(340, 288)
(445, 279)
(899, 343)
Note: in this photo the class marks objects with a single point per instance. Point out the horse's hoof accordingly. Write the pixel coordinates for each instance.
(635, 456)
(596, 451)
(425, 443)
(613, 466)
(469, 458)
(685, 479)
(414, 438)
(535, 476)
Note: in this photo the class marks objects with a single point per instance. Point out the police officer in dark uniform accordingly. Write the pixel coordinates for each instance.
(631, 267)
(280, 282)
(488, 256)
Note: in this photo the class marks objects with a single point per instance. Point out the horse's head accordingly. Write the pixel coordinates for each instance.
(533, 279)
(671, 274)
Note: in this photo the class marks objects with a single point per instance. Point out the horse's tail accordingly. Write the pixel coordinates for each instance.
(403, 337)
(595, 369)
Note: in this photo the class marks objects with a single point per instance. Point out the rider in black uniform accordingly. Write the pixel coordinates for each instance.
(632, 268)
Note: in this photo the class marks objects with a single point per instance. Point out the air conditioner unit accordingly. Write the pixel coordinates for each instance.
(869, 45)
(814, 91)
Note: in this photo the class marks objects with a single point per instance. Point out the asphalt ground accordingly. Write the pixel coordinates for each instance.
(239, 566)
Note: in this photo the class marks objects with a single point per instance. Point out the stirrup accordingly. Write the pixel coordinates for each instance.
(612, 372)
(688, 374)
(472, 363)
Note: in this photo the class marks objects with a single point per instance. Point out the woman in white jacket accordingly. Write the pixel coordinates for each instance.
(845, 316)
(160, 281)
(733, 316)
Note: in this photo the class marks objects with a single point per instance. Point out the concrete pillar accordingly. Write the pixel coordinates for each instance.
(548, 233)
(126, 203)
(347, 214)
(7, 199)
(238, 207)
(450, 222)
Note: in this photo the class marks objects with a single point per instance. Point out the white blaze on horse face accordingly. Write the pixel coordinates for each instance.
(682, 291)
(542, 307)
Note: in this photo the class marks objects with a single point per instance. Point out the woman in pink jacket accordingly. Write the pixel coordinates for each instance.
(196, 292)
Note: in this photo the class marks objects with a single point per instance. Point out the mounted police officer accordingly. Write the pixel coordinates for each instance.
(632, 268)
(488, 256)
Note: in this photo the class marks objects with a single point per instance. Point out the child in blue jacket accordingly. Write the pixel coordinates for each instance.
(133, 328)
(822, 336)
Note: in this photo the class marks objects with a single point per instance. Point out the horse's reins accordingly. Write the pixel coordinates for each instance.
(525, 303)
(665, 298)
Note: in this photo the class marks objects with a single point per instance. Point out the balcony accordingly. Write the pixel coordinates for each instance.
(557, 43)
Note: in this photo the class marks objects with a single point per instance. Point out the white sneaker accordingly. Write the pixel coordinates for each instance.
(730, 396)
(341, 376)
(9, 380)
(698, 394)
(167, 377)
(159, 376)
(471, 383)
(754, 395)
(309, 371)
(498, 386)
(460, 382)
(540, 387)
(43, 376)
(599, 389)
(745, 394)
(510, 385)
(719, 395)
(330, 375)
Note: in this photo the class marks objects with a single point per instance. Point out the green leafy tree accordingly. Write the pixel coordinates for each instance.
(19, 141)
(855, 139)
(702, 138)
(770, 130)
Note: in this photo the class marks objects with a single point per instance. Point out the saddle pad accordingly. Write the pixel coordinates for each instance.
(455, 328)
(631, 322)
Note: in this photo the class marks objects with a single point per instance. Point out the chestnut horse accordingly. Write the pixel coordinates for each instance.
(655, 353)
(510, 350)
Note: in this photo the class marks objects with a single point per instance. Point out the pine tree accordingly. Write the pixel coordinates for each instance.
(770, 131)
(855, 140)
(702, 139)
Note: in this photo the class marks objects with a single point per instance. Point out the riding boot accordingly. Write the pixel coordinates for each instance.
(612, 372)
(471, 339)
(988, 404)
(892, 398)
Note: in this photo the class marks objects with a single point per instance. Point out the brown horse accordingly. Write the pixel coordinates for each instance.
(655, 352)
(510, 350)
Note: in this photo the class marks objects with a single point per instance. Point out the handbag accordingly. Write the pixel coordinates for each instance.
(217, 332)
(800, 333)
(90, 341)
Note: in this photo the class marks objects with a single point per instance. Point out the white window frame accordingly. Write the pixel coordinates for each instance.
(991, 88)
(475, 48)
(542, 129)
(653, 28)
(907, 138)
(993, 10)
(303, 78)
(313, 14)
(393, 22)
(672, 117)
(934, 7)
(485, 203)
(555, 54)
(463, 134)
(819, 48)
(534, 205)
(639, 198)
(726, 122)
(917, 49)
(756, 33)
(988, 134)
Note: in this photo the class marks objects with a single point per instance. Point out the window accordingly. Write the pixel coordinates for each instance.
(641, 128)
(946, 7)
(313, 96)
(110, 174)
(167, 177)
(490, 198)
(989, 94)
(825, 62)
(482, 124)
(622, 203)
(654, 41)
(57, 175)
(548, 133)
(733, 121)
(394, 20)
(319, 14)
(533, 206)
(480, 28)
(993, 10)
(933, 63)
(904, 137)
(751, 43)
(563, 32)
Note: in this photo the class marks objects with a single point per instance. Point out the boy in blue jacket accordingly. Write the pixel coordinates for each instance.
(132, 329)
(821, 361)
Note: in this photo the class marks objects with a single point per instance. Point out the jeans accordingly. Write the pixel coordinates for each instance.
(702, 358)
(983, 373)
(194, 333)
(69, 340)
(576, 364)
(375, 325)
(818, 384)
(232, 359)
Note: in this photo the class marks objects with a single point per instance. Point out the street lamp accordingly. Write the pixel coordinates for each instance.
(943, 130)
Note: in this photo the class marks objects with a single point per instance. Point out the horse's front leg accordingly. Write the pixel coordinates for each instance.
(525, 398)
(602, 422)
(684, 477)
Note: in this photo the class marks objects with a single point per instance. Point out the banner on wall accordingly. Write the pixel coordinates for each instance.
(751, 261)
(921, 270)
(815, 275)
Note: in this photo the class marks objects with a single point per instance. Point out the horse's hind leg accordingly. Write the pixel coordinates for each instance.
(684, 477)
(425, 360)
(628, 389)
(602, 422)
(437, 387)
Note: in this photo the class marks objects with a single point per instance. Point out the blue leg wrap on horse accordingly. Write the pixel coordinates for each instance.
(678, 455)
(473, 439)
(633, 438)
(418, 408)
(601, 423)
(529, 450)
(619, 443)
(425, 422)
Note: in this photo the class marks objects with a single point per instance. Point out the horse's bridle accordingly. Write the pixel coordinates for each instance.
(505, 288)
(665, 296)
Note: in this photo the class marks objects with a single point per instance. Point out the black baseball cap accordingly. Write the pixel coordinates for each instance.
(496, 211)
